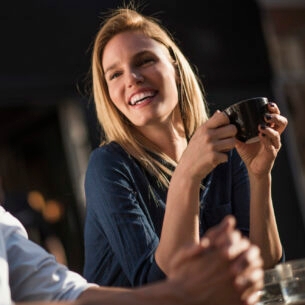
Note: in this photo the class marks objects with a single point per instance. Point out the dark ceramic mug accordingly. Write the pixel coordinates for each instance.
(246, 115)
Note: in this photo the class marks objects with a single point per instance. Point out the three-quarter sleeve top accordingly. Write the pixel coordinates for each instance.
(125, 208)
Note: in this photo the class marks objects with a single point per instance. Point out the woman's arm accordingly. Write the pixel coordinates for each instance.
(206, 149)
(259, 158)
(263, 226)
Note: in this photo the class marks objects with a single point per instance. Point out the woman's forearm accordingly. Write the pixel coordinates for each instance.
(181, 219)
(263, 226)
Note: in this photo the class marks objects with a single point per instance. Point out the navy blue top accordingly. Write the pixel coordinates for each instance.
(124, 220)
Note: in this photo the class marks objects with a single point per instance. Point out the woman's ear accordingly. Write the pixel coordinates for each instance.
(172, 54)
(175, 63)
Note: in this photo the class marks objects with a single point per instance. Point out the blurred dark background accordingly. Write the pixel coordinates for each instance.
(47, 119)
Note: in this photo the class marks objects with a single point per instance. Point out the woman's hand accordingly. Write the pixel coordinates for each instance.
(208, 145)
(259, 156)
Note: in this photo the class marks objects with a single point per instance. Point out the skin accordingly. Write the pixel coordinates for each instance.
(259, 158)
(144, 66)
(143, 69)
(230, 263)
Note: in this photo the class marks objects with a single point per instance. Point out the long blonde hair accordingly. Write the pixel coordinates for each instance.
(116, 127)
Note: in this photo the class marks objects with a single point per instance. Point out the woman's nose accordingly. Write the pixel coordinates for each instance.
(135, 77)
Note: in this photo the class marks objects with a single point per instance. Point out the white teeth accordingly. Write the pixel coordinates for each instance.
(138, 98)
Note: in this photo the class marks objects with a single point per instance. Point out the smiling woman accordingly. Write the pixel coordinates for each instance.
(140, 78)
(167, 171)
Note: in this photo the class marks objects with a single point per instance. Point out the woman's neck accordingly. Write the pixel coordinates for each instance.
(170, 139)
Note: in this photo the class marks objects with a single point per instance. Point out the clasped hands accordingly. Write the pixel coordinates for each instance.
(225, 267)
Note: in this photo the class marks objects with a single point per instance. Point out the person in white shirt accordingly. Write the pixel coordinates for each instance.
(225, 269)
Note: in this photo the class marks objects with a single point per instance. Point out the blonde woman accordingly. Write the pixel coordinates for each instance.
(166, 171)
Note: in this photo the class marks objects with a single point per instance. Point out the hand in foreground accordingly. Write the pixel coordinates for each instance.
(224, 269)
(259, 156)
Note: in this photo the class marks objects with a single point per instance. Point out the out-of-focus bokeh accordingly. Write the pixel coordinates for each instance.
(48, 127)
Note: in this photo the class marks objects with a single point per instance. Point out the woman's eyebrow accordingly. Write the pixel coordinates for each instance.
(108, 69)
(115, 64)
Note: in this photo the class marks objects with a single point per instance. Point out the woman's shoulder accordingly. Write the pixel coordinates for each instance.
(108, 150)
(109, 155)
(111, 160)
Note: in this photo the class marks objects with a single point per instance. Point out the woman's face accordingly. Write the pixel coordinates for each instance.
(141, 78)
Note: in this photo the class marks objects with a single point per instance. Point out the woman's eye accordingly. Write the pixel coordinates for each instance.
(114, 75)
(145, 61)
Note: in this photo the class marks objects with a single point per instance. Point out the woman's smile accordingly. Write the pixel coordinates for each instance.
(142, 97)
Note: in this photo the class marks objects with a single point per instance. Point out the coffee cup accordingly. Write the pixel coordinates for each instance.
(247, 115)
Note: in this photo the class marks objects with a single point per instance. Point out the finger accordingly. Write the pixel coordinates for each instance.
(251, 292)
(225, 145)
(234, 246)
(225, 226)
(224, 132)
(250, 282)
(250, 258)
(188, 252)
(276, 122)
(273, 108)
(249, 272)
(270, 138)
(216, 146)
(219, 139)
(230, 243)
(253, 298)
(218, 119)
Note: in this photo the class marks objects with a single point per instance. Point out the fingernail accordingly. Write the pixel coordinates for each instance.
(268, 116)
(271, 104)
